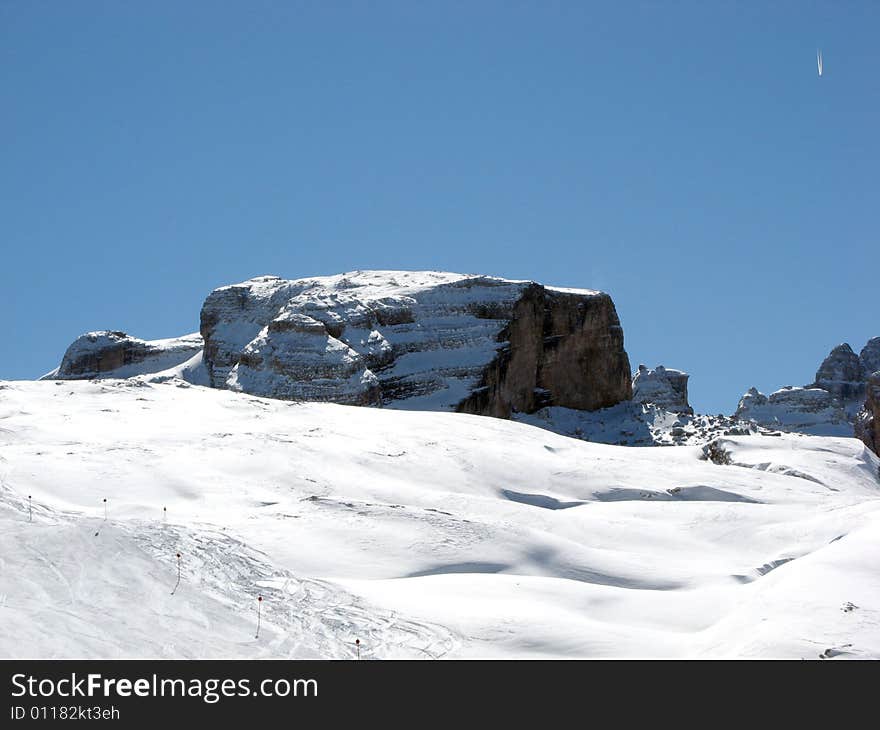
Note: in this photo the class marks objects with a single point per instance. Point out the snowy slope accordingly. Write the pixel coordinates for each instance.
(421, 534)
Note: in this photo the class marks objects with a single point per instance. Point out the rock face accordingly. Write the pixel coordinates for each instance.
(842, 374)
(870, 357)
(558, 349)
(424, 340)
(110, 354)
(662, 387)
(868, 420)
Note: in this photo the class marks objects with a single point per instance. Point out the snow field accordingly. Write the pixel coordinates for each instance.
(421, 534)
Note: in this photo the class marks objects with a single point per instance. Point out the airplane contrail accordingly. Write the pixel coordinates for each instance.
(819, 61)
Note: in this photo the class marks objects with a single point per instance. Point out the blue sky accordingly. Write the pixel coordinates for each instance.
(684, 157)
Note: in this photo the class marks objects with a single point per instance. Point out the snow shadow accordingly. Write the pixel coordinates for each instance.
(471, 567)
(696, 493)
(538, 500)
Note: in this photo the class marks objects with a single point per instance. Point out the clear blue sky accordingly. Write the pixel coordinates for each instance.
(684, 157)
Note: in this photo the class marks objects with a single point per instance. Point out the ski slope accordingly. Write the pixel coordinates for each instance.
(419, 534)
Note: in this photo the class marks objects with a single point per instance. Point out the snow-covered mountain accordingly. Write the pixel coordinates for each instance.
(407, 339)
(418, 340)
(422, 534)
(429, 340)
(829, 406)
(804, 410)
(420, 528)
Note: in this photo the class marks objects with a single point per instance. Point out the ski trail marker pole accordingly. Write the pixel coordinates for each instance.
(30, 510)
(259, 603)
(105, 517)
(178, 575)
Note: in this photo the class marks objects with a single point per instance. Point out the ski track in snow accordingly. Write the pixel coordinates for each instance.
(423, 535)
(301, 617)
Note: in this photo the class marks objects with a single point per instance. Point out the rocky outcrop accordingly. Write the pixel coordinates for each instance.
(806, 410)
(867, 426)
(427, 340)
(636, 424)
(112, 354)
(559, 349)
(662, 387)
(842, 375)
(870, 357)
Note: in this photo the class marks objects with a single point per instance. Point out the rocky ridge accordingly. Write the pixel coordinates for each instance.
(829, 406)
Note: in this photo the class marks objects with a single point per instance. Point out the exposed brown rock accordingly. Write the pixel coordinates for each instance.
(562, 350)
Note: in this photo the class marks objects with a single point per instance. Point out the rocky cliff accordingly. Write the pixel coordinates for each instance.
(428, 340)
(559, 348)
(842, 374)
(868, 420)
(870, 357)
(416, 340)
(112, 354)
